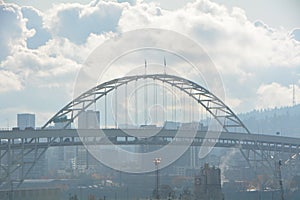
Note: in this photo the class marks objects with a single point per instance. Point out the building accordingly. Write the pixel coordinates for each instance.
(207, 185)
(170, 125)
(89, 120)
(62, 123)
(25, 120)
(83, 162)
(32, 194)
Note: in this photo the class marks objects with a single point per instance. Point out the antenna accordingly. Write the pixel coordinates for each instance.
(145, 96)
(294, 98)
(7, 122)
(165, 65)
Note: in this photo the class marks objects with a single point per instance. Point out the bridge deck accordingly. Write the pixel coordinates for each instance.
(70, 137)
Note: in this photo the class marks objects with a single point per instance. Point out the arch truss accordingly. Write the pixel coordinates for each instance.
(225, 117)
(216, 107)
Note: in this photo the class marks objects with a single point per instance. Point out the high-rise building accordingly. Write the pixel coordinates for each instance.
(89, 120)
(25, 120)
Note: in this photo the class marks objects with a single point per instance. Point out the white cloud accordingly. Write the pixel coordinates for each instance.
(230, 38)
(76, 21)
(34, 22)
(35, 68)
(275, 95)
(9, 81)
(14, 34)
(247, 54)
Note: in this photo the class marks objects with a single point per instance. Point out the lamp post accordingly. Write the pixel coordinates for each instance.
(157, 162)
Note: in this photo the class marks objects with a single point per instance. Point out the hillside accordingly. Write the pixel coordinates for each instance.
(285, 120)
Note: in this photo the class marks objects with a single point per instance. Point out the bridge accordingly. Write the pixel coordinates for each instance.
(227, 130)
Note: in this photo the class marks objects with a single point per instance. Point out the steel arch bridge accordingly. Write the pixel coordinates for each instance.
(225, 117)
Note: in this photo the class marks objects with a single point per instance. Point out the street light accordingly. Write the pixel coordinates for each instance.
(157, 162)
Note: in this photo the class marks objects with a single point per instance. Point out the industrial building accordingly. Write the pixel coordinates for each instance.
(207, 185)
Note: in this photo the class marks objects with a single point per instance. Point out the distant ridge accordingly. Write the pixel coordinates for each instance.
(284, 120)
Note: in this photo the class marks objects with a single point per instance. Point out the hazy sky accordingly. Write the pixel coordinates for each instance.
(255, 46)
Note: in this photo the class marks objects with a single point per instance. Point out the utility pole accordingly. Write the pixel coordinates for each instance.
(280, 179)
(157, 162)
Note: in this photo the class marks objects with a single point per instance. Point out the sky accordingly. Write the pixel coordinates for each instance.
(255, 45)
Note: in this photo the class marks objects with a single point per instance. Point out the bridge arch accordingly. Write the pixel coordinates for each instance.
(225, 117)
